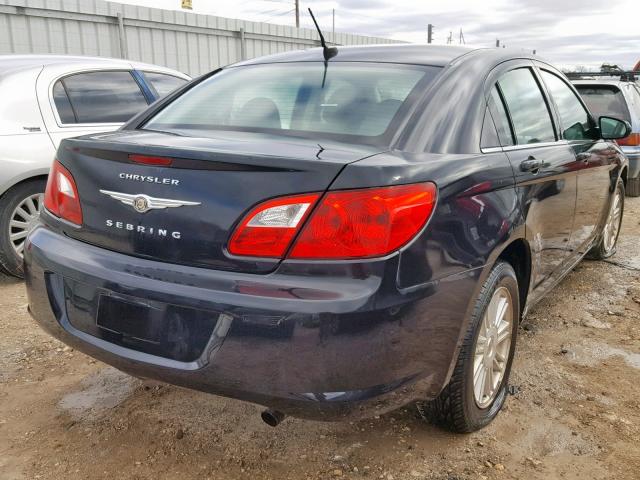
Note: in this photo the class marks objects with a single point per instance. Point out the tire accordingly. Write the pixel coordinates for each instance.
(606, 245)
(10, 259)
(457, 408)
(633, 187)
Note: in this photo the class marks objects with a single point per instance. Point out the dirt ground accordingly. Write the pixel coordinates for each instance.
(575, 414)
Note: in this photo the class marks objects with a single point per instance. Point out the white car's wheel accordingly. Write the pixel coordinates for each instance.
(19, 214)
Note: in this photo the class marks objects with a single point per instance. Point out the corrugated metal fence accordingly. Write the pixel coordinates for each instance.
(188, 42)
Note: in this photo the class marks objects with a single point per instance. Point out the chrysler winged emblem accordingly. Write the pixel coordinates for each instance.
(143, 203)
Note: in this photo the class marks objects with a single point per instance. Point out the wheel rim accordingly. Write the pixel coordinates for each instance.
(24, 219)
(612, 226)
(492, 348)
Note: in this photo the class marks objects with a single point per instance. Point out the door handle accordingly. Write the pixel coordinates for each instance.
(583, 157)
(531, 164)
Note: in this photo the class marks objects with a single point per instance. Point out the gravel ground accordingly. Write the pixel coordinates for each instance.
(575, 414)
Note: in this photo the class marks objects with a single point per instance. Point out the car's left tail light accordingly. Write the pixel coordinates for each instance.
(61, 196)
(345, 224)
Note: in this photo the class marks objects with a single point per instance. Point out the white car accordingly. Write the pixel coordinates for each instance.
(46, 98)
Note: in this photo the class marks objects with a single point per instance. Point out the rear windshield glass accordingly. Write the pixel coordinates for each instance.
(605, 100)
(352, 99)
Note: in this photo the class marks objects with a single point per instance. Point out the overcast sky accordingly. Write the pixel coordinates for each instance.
(567, 32)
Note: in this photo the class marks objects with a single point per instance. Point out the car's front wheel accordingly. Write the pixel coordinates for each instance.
(478, 386)
(608, 240)
(19, 213)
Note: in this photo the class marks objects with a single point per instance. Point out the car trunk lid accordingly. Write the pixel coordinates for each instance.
(184, 213)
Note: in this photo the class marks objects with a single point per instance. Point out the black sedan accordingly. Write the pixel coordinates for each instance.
(331, 236)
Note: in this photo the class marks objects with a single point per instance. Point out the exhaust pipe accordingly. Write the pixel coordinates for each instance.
(272, 417)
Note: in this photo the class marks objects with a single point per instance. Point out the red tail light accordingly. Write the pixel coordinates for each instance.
(632, 140)
(61, 196)
(364, 223)
(361, 223)
(268, 229)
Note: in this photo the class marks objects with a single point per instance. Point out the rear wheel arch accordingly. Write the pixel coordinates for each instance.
(518, 255)
(33, 177)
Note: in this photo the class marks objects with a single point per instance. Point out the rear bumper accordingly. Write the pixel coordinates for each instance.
(343, 343)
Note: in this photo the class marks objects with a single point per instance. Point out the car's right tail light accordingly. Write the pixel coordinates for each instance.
(345, 224)
(61, 196)
(632, 140)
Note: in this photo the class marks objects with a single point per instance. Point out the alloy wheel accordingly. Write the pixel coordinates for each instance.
(612, 226)
(24, 219)
(492, 347)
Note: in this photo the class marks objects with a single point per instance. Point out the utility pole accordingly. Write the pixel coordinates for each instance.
(462, 42)
(429, 33)
(297, 13)
(333, 26)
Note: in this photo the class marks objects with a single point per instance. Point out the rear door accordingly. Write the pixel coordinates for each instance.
(542, 164)
(593, 162)
(91, 101)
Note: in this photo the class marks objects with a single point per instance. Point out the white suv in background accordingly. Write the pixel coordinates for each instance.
(616, 95)
(46, 98)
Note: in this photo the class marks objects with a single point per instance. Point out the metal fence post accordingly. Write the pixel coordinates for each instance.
(121, 36)
(243, 46)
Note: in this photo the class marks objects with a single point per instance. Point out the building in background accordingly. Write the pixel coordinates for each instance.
(188, 42)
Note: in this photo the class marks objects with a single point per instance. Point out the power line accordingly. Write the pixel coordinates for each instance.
(268, 11)
(281, 13)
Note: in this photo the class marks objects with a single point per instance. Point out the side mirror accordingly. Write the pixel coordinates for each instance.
(613, 129)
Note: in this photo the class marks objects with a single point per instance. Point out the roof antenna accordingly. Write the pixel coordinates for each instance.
(328, 52)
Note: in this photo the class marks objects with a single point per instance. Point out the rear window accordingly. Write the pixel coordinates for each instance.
(98, 97)
(348, 99)
(605, 100)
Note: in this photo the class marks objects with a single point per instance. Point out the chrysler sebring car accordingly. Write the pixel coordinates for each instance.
(330, 236)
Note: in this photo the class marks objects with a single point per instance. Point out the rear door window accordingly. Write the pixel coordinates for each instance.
(527, 108)
(605, 100)
(163, 84)
(489, 137)
(63, 105)
(100, 97)
(500, 117)
(576, 123)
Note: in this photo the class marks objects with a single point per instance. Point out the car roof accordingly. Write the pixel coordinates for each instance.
(416, 54)
(600, 81)
(13, 63)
